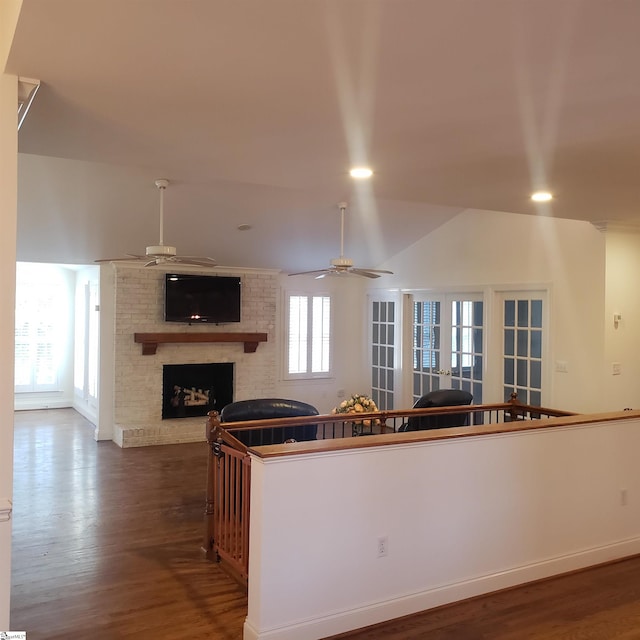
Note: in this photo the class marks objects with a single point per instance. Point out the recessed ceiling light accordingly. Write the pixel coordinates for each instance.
(361, 172)
(541, 196)
(244, 227)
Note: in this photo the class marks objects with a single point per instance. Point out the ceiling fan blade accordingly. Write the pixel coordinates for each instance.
(378, 271)
(195, 261)
(309, 273)
(364, 272)
(129, 259)
(369, 273)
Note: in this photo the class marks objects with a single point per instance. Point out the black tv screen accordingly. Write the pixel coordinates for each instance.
(194, 299)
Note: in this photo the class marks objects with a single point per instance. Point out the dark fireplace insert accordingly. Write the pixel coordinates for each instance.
(191, 390)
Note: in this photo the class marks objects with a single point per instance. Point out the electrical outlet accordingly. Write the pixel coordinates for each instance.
(383, 546)
(624, 497)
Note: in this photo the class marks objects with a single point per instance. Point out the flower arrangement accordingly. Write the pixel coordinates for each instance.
(357, 403)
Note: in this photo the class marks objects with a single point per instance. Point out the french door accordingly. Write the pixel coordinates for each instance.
(448, 344)
(383, 352)
(444, 337)
(524, 345)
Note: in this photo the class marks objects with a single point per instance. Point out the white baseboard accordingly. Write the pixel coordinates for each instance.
(35, 405)
(404, 605)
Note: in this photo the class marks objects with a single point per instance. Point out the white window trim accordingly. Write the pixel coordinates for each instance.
(306, 375)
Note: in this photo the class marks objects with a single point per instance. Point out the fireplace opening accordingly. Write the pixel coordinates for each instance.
(191, 390)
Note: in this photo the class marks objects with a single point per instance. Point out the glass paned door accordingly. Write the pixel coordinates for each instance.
(448, 344)
(383, 353)
(427, 347)
(467, 336)
(523, 320)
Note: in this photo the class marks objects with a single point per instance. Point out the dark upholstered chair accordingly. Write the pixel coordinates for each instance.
(440, 398)
(265, 408)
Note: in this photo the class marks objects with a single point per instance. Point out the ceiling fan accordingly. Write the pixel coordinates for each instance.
(161, 253)
(343, 266)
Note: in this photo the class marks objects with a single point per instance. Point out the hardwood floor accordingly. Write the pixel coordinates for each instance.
(106, 541)
(107, 546)
(602, 603)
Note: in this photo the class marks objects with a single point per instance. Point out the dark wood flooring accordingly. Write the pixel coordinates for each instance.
(106, 541)
(107, 546)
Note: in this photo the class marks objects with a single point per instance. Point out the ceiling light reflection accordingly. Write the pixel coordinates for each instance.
(361, 172)
(541, 196)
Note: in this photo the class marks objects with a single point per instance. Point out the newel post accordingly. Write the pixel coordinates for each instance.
(515, 412)
(212, 426)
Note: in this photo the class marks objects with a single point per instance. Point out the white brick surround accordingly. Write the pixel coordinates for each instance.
(139, 303)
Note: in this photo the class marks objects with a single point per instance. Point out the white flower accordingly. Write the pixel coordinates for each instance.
(357, 403)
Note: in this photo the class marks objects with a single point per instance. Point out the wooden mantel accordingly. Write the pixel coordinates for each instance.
(150, 341)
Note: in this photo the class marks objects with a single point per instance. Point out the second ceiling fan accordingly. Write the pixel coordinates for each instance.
(343, 266)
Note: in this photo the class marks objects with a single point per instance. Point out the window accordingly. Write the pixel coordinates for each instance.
(42, 314)
(309, 336)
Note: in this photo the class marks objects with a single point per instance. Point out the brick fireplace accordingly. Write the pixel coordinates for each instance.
(138, 380)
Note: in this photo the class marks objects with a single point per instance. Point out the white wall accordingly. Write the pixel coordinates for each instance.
(8, 208)
(622, 343)
(463, 516)
(492, 251)
(350, 374)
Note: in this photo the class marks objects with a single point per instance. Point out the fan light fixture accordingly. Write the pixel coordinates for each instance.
(161, 253)
(361, 172)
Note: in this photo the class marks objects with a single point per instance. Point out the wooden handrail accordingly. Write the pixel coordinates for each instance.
(383, 416)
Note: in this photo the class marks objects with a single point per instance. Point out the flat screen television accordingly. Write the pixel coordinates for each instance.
(194, 298)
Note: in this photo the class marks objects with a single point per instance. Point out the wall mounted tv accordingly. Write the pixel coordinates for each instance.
(195, 299)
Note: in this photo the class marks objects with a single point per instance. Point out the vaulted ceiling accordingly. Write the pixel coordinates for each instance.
(256, 109)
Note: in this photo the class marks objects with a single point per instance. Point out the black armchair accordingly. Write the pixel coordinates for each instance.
(265, 408)
(440, 398)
